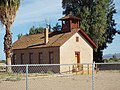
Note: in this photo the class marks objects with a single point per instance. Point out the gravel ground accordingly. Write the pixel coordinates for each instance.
(102, 81)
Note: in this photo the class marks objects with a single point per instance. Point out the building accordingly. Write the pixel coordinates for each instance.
(69, 46)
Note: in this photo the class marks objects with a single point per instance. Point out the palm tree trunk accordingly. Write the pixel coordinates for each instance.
(8, 46)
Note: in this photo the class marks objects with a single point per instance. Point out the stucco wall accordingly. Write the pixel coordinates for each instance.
(68, 49)
(36, 52)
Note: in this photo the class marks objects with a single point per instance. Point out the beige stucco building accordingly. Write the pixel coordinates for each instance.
(69, 46)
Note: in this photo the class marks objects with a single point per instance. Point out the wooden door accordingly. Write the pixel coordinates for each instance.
(77, 56)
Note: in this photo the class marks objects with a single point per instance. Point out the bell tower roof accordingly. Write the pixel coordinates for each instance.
(69, 16)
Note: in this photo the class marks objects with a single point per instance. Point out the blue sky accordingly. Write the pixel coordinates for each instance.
(40, 12)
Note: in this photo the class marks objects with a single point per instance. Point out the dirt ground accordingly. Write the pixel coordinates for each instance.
(102, 81)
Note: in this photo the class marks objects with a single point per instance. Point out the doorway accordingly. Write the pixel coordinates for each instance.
(77, 60)
(77, 57)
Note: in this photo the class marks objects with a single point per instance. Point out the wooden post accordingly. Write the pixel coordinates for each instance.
(88, 68)
(82, 69)
(69, 69)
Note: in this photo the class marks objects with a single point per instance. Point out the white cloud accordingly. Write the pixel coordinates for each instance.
(38, 10)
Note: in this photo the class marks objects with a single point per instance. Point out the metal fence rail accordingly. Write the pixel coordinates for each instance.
(87, 76)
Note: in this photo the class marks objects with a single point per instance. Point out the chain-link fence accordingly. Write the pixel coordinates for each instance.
(58, 77)
(14, 79)
(107, 77)
(94, 76)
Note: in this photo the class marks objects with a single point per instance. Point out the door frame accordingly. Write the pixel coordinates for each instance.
(77, 54)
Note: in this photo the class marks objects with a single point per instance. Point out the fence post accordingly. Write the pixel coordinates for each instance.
(26, 77)
(93, 76)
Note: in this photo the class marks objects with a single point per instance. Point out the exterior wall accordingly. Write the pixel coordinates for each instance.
(68, 49)
(75, 24)
(35, 59)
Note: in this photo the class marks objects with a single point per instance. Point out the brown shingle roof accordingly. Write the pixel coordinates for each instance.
(34, 41)
(55, 39)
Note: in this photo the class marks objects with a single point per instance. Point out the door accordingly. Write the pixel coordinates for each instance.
(77, 57)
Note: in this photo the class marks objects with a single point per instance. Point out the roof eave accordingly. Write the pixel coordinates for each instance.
(88, 38)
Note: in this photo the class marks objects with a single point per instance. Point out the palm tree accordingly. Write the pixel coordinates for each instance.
(8, 9)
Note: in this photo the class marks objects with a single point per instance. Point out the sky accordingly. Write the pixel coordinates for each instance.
(40, 12)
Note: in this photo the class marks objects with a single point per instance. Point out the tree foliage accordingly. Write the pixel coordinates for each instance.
(37, 30)
(57, 27)
(19, 35)
(32, 30)
(96, 19)
(113, 59)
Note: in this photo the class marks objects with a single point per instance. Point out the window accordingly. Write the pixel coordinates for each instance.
(64, 22)
(22, 57)
(14, 59)
(77, 39)
(51, 58)
(74, 21)
(40, 58)
(30, 58)
(77, 57)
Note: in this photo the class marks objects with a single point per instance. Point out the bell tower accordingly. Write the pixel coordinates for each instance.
(69, 23)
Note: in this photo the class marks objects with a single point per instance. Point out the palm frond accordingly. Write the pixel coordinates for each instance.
(10, 3)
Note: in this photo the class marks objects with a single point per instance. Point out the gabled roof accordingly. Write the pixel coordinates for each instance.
(55, 39)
